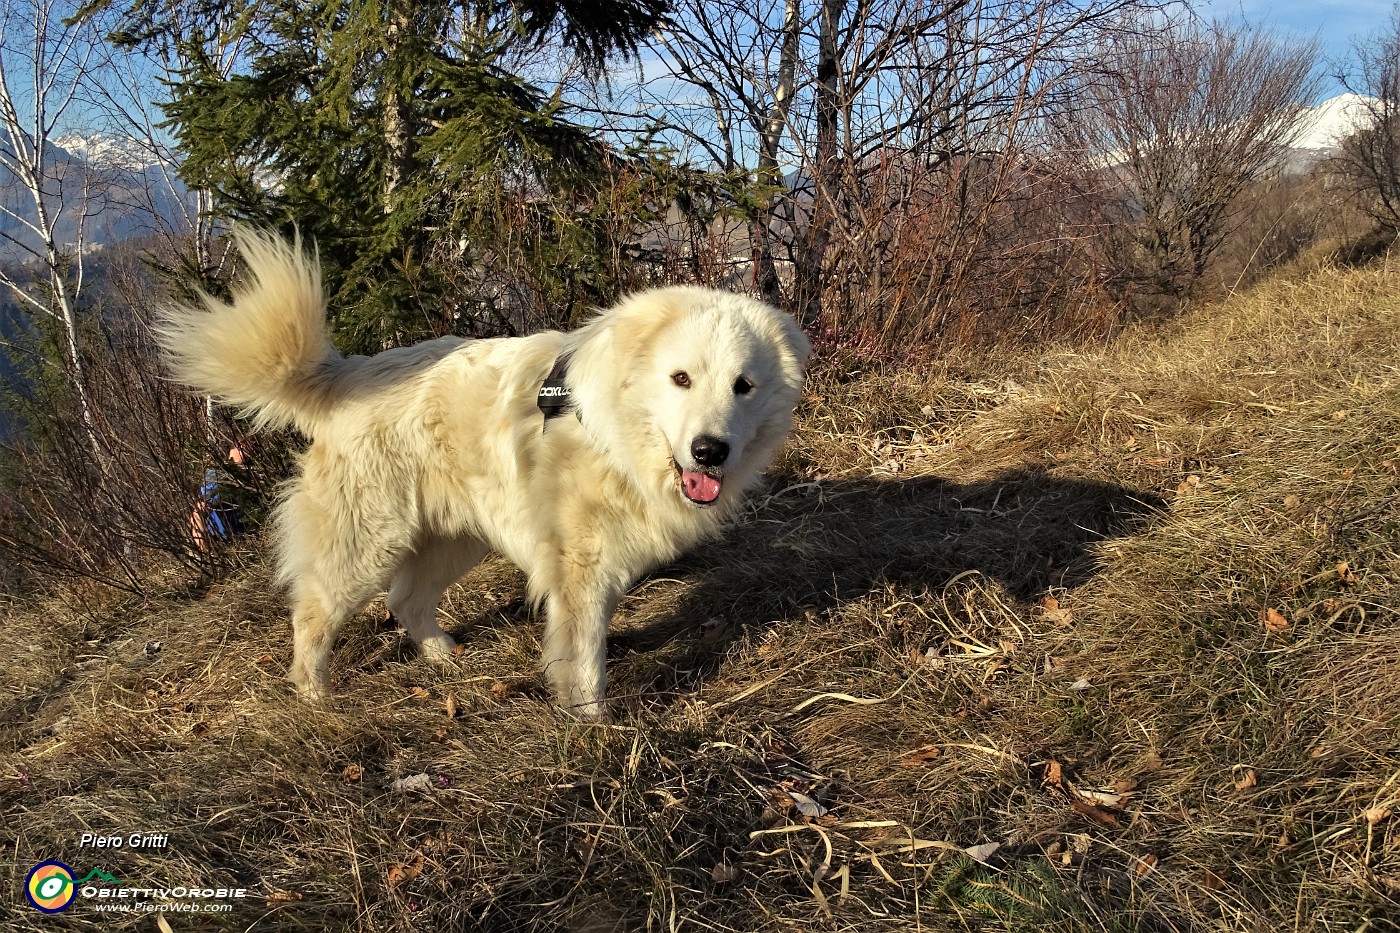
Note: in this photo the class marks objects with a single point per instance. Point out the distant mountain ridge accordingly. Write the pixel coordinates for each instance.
(1325, 126)
(109, 151)
(116, 187)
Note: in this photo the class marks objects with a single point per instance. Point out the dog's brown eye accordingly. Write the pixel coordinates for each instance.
(742, 386)
(681, 379)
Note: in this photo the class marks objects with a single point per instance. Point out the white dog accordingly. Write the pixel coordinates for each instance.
(426, 457)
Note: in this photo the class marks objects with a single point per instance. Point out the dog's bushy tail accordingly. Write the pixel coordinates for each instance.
(266, 354)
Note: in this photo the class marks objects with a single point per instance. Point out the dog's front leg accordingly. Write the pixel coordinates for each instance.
(575, 645)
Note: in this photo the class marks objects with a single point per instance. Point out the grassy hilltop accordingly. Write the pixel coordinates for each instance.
(1130, 615)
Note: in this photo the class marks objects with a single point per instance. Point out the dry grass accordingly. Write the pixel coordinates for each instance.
(1148, 752)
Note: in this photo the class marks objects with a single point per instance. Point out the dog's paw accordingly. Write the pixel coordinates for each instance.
(312, 692)
(597, 713)
(438, 648)
(309, 687)
(587, 709)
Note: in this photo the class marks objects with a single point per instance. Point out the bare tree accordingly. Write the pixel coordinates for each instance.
(742, 116)
(1370, 158)
(1175, 124)
(128, 100)
(101, 476)
(832, 91)
(44, 60)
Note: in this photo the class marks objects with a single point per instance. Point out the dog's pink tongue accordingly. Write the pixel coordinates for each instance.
(699, 487)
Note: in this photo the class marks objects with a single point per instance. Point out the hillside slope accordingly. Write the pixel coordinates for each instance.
(1128, 615)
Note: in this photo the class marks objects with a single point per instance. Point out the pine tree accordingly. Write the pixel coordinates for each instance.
(392, 135)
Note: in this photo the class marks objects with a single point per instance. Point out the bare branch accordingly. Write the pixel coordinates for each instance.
(1180, 121)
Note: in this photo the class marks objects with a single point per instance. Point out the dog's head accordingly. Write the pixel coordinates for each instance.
(705, 383)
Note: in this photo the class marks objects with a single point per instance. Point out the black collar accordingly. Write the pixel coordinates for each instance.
(555, 397)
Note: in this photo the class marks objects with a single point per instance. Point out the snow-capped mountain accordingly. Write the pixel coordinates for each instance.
(1321, 129)
(1324, 127)
(116, 187)
(108, 151)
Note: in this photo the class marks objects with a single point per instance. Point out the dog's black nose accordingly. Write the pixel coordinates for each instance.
(709, 451)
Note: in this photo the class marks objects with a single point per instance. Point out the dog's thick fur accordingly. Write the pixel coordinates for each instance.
(426, 457)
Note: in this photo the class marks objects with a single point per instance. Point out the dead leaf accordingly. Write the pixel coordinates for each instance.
(499, 689)
(920, 756)
(1249, 780)
(1051, 611)
(1124, 786)
(439, 735)
(1291, 501)
(1101, 798)
(1341, 415)
(1081, 684)
(1054, 665)
(420, 692)
(1145, 865)
(1345, 573)
(1374, 815)
(459, 651)
(450, 704)
(353, 772)
(1102, 817)
(933, 659)
(413, 783)
(1274, 621)
(163, 925)
(1212, 881)
(807, 806)
(723, 873)
(983, 851)
(282, 897)
(265, 659)
(400, 874)
(1054, 774)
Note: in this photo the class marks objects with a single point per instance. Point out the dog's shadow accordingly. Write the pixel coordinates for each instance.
(811, 547)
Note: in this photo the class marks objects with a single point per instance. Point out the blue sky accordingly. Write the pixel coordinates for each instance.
(1336, 23)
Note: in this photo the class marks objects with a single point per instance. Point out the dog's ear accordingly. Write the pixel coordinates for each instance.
(796, 349)
(797, 340)
(637, 323)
